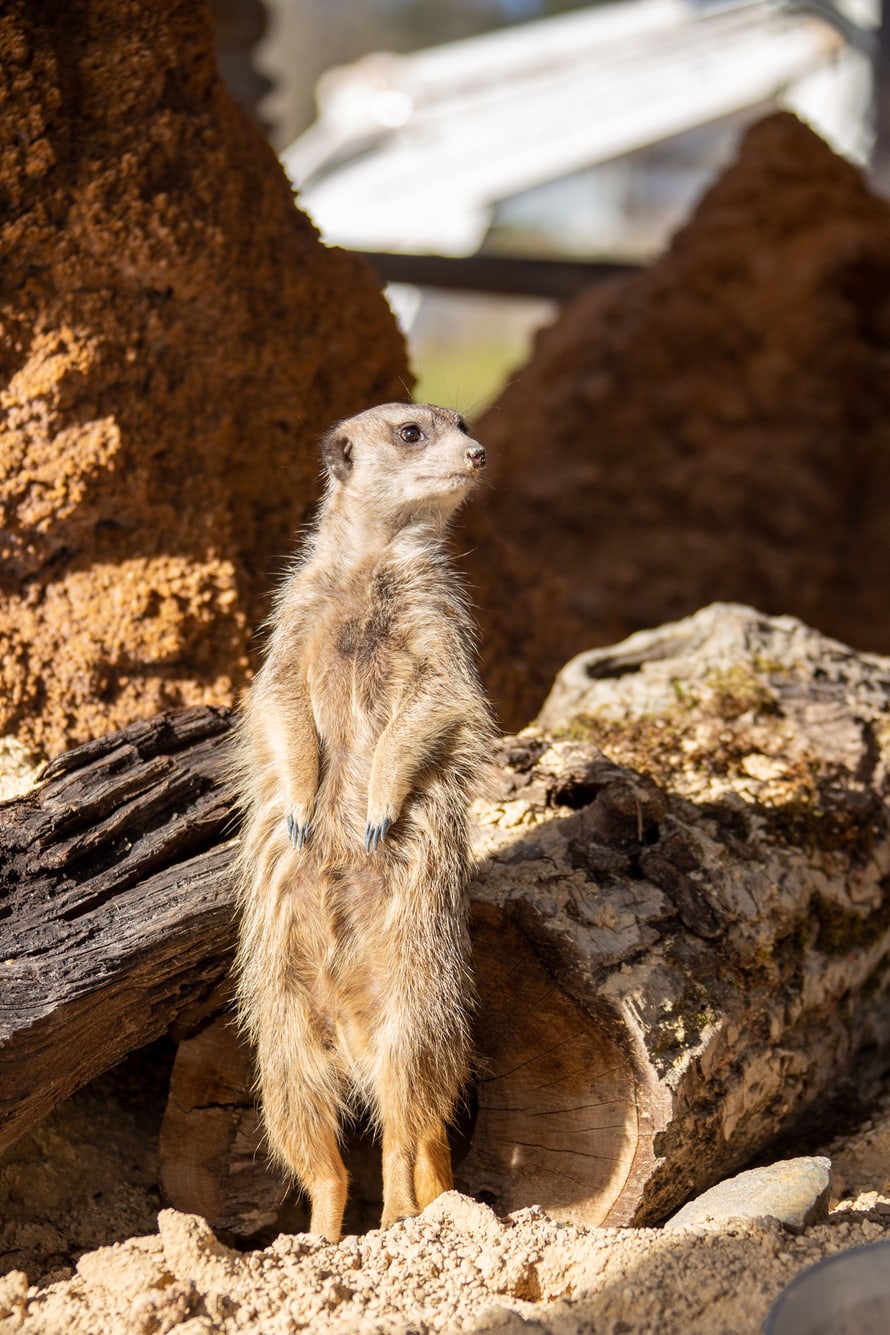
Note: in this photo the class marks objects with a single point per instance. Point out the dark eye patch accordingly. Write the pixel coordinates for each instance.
(462, 426)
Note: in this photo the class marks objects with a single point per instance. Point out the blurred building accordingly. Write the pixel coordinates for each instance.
(586, 134)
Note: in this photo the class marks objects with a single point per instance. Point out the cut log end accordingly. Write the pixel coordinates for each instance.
(557, 1122)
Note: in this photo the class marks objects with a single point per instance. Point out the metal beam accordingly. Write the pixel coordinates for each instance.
(557, 280)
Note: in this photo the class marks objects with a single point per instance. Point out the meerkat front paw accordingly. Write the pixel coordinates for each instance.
(375, 833)
(298, 826)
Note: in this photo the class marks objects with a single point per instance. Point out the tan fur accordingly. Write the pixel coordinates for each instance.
(353, 966)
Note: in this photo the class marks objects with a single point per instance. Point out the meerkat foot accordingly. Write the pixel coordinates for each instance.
(375, 834)
(297, 832)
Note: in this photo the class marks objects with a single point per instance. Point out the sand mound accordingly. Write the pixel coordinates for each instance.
(174, 339)
(86, 1252)
(716, 427)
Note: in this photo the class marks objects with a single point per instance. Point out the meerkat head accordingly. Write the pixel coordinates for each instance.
(404, 458)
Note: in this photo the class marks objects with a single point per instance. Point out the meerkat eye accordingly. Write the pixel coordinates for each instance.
(462, 426)
(411, 433)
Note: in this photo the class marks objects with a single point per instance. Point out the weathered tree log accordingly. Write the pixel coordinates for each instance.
(720, 911)
(675, 955)
(679, 947)
(115, 905)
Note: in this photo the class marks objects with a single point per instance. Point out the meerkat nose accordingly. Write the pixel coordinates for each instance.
(476, 456)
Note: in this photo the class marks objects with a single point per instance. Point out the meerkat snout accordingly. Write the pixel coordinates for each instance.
(476, 456)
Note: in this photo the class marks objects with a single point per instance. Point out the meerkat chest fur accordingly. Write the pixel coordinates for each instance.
(380, 629)
(384, 639)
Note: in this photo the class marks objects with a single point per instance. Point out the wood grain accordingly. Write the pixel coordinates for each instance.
(116, 905)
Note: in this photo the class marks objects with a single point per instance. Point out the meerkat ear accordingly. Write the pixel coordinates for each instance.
(336, 453)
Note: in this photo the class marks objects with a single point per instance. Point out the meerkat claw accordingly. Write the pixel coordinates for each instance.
(375, 834)
(298, 834)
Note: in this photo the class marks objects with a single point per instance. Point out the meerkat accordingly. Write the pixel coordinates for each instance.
(360, 747)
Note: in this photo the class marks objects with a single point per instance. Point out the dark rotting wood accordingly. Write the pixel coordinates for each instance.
(116, 904)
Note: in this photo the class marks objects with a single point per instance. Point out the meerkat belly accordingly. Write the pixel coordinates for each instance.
(354, 688)
(354, 691)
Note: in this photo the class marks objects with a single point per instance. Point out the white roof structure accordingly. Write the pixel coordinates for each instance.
(411, 152)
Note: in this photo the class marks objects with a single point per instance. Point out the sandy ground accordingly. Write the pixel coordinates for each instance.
(86, 1252)
(18, 768)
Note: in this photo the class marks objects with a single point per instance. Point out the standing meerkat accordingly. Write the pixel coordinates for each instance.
(360, 747)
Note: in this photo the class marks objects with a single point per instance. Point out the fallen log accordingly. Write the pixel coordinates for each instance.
(681, 927)
(680, 922)
(719, 910)
(115, 905)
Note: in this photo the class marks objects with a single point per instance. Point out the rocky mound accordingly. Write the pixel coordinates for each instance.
(174, 339)
(717, 426)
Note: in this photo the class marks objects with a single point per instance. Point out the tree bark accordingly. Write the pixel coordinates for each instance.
(116, 906)
(680, 924)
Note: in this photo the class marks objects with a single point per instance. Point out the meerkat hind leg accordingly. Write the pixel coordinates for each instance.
(327, 1186)
(318, 1166)
(301, 1113)
(432, 1167)
(399, 1200)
